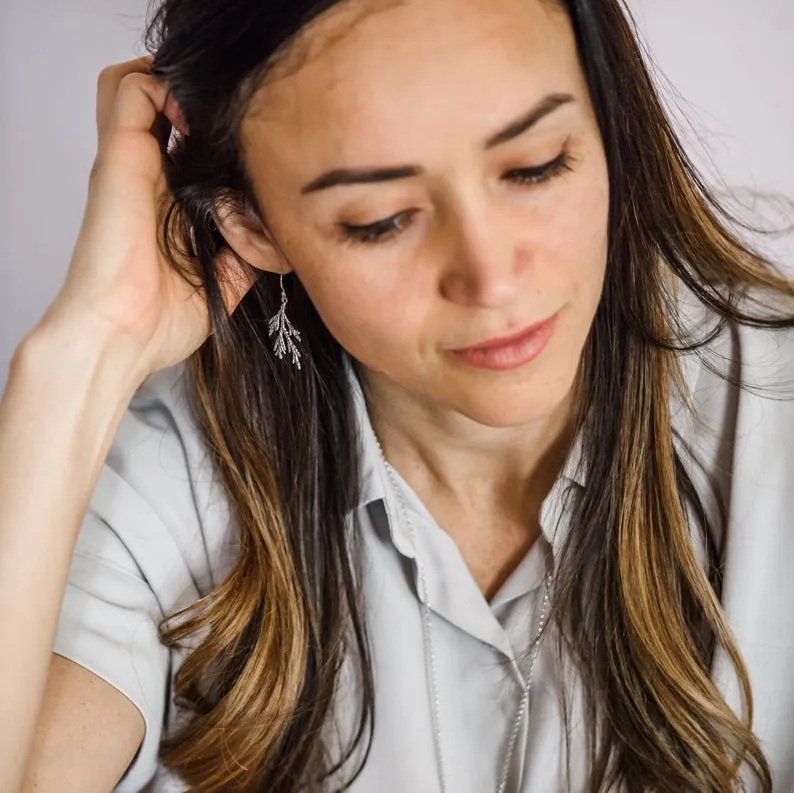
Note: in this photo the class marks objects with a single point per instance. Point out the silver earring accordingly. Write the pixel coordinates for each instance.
(285, 332)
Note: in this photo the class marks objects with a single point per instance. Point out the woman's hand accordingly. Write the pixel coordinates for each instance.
(118, 283)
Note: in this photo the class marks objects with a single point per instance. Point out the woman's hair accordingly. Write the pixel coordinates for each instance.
(264, 649)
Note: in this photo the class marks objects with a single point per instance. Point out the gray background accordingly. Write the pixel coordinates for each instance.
(731, 64)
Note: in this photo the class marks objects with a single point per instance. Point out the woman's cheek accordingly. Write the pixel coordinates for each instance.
(357, 313)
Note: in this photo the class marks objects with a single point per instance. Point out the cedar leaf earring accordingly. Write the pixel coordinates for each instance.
(285, 332)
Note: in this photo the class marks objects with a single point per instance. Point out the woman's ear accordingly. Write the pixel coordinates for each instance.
(249, 239)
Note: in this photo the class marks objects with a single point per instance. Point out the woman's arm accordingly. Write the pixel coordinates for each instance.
(124, 312)
(67, 390)
(87, 734)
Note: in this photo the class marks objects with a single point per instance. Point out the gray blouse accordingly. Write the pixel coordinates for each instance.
(158, 536)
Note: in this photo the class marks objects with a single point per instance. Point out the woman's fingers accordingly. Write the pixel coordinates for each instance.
(173, 113)
(121, 93)
(108, 84)
(140, 99)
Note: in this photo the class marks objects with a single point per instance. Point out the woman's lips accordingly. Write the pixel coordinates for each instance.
(501, 355)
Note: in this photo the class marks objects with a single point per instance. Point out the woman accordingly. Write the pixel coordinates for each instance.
(477, 474)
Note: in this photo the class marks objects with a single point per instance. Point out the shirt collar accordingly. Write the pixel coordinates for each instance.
(372, 487)
(375, 484)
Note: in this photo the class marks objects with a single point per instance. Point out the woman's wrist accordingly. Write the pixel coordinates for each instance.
(73, 381)
(69, 350)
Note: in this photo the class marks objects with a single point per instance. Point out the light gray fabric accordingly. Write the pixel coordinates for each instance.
(158, 535)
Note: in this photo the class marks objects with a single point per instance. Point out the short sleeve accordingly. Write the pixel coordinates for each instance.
(155, 539)
(108, 624)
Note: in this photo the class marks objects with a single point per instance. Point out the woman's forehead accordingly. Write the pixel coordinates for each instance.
(404, 62)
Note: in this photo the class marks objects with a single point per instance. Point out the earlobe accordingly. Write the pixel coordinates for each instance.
(249, 239)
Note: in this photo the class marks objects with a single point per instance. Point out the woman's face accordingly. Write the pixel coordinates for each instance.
(474, 226)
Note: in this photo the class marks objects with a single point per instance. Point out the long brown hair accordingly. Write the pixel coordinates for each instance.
(264, 650)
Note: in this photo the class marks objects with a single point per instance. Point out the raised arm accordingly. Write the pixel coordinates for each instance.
(69, 730)
(123, 312)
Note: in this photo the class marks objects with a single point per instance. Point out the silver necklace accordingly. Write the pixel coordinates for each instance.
(430, 658)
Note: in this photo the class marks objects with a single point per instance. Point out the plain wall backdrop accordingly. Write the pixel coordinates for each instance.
(731, 63)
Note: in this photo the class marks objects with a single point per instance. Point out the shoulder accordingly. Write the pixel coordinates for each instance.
(156, 537)
(159, 496)
(736, 437)
(754, 365)
(763, 395)
(741, 386)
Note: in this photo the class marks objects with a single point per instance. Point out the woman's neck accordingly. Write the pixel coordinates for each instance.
(483, 485)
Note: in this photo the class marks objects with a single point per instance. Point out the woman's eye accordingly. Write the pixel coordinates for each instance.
(541, 173)
(379, 231)
(386, 229)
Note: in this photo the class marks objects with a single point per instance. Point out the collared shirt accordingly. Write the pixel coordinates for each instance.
(158, 536)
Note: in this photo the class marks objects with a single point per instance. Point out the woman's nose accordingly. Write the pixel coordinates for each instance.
(485, 266)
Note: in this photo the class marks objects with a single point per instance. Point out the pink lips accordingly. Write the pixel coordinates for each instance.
(501, 355)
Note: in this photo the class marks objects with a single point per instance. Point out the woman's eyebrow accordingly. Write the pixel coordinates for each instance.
(348, 176)
(542, 109)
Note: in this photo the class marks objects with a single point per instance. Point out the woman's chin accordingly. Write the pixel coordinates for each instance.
(512, 406)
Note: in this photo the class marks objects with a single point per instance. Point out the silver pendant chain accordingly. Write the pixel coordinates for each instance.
(430, 660)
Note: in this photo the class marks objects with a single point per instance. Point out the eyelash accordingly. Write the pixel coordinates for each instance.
(383, 230)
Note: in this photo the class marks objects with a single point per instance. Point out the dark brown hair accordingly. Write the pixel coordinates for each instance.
(267, 645)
